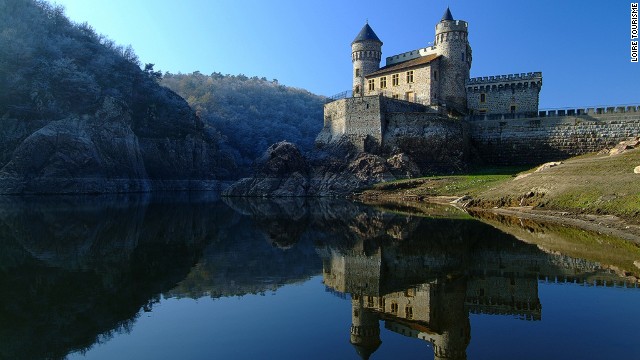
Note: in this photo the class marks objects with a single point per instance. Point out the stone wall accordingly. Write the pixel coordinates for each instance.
(356, 117)
(504, 91)
(360, 117)
(537, 140)
(434, 142)
(423, 89)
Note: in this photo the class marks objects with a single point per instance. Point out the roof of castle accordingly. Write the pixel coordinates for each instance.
(366, 34)
(447, 15)
(404, 65)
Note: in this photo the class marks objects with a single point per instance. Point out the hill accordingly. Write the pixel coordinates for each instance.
(251, 113)
(80, 115)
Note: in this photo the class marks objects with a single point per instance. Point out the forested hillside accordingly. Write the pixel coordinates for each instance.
(80, 115)
(251, 113)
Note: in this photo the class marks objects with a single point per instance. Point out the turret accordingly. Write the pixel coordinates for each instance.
(366, 51)
(452, 44)
(365, 328)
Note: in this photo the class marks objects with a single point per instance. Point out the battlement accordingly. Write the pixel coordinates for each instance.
(410, 55)
(562, 112)
(505, 78)
(456, 25)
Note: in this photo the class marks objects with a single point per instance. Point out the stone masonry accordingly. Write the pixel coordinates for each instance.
(505, 94)
(423, 103)
(550, 137)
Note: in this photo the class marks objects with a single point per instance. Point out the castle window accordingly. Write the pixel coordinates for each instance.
(372, 84)
(435, 74)
(409, 312)
(394, 79)
(383, 82)
(409, 77)
(483, 97)
(394, 308)
(394, 96)
(462, 56)
(357, 89)
(513, 109)
(357, 72)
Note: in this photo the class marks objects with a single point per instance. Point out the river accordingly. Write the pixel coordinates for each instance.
(193, 276)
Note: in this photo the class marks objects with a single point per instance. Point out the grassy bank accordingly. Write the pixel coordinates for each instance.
(588, 184)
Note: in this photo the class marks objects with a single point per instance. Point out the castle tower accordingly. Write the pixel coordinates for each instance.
(452, 44)
(366, 51)
(365, 328)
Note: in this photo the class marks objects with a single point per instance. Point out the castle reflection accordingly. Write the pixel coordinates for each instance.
(424, 276)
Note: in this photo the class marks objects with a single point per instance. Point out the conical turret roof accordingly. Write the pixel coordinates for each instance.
(366, 34)
(447, 15)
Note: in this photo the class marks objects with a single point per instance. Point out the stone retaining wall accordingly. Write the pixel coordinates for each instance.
(541, 139)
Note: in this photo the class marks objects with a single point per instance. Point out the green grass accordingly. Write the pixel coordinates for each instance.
(591, 183)
(451, 185)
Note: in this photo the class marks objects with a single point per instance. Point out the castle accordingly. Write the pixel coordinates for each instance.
(438, 75)
(423, 103)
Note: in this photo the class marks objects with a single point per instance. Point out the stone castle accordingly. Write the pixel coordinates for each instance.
(438, 75)
(424, 98)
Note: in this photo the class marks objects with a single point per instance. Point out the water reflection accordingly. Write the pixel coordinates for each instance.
(423, 276)
(76, 271)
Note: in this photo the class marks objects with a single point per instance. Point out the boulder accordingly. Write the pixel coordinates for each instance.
(548, 165)
(636, 170)
(401, 165)
(623, 146)
(280, 171)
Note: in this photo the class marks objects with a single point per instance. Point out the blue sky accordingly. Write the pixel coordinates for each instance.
(581, 47)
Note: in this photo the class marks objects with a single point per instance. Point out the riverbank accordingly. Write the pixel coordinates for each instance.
(598, 192)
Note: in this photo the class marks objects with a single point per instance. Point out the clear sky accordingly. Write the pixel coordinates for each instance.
(581, 47)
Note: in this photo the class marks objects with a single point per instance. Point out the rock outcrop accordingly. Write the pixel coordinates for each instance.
(106, 152)
(280, 171)
(336, 170)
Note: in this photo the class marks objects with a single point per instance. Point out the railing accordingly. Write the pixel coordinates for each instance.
(341, 95)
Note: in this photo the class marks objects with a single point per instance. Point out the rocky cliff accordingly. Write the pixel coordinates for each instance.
(79, 115)
(336, 170)
(105, 152)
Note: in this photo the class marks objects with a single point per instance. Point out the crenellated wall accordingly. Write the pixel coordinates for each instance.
(534, 140)
(503, 94)
(438, 143)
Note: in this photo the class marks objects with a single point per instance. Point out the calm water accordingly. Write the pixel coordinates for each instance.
(195, 278)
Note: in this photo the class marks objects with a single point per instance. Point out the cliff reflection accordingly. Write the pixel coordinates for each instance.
(77, 269)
